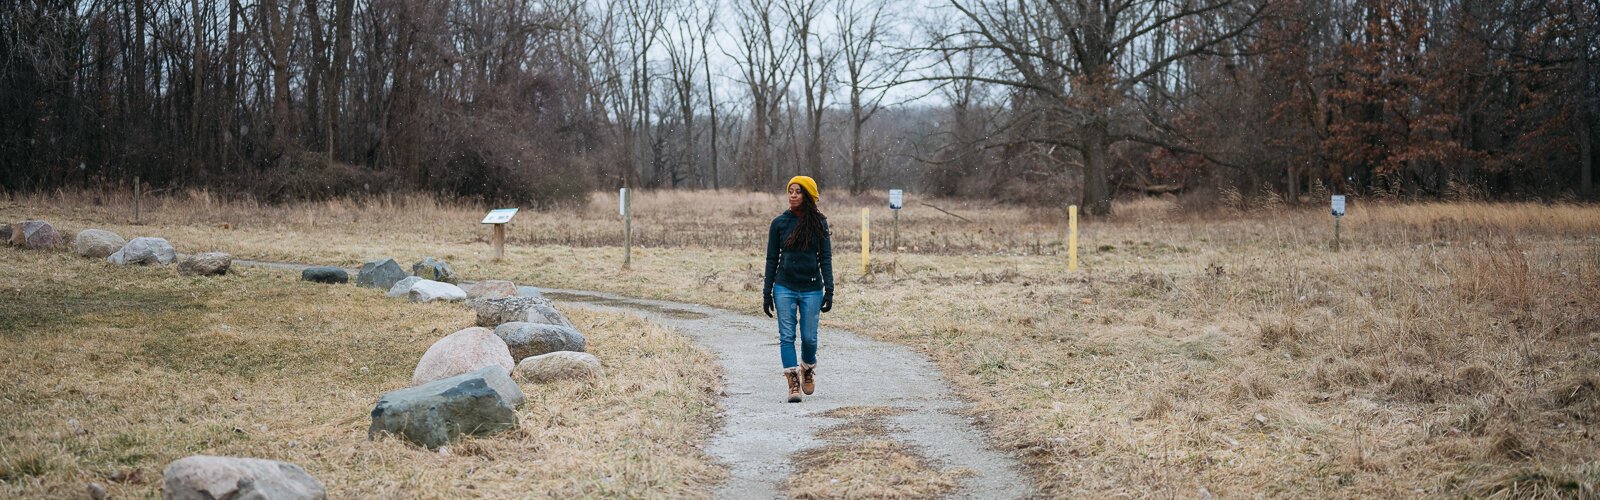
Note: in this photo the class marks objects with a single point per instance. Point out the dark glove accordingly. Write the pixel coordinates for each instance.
(827, 301)
(766, 304)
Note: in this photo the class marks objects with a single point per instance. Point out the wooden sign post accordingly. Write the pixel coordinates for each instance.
(625, 207)
(1072, 238)
(499, 217)
(866, 241)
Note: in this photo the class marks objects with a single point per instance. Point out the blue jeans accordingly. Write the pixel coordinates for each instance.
(809, 307)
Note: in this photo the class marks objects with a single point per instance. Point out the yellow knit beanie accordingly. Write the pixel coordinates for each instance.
(807, 183)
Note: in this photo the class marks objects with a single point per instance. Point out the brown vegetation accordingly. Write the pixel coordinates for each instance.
(111, 373)
(1449, 350)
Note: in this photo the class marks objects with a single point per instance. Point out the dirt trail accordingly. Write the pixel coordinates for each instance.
(761, 433)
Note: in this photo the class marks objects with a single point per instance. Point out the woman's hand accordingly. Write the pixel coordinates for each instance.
(766, 304)
(827, 301)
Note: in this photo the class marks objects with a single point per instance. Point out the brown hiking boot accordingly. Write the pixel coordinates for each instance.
(808, 382)
(792, 375)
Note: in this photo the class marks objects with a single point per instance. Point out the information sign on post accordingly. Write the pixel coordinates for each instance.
(499, 217)
(896, 202)
(1338, 213)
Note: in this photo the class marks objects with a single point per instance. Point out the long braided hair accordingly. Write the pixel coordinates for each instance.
(810, 226)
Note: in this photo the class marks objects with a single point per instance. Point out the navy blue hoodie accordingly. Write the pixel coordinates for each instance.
(799, 269)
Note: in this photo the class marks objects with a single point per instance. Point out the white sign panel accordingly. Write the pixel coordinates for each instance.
(1338, 205)
(499, 216)
(896, 199)
(622, 202)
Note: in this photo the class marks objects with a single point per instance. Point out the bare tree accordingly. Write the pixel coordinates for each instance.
(869, 69)
(763, 57)
(815, 64)
(1078, 58)
(686, 55)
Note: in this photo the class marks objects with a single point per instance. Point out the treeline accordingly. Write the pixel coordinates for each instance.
(1030, 100)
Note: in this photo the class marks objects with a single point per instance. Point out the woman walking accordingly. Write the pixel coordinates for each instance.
(799, 281)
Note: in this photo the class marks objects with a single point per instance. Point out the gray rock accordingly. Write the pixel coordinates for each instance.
(97, 243)
(206, 264)
(461, 352)
(434, 414)
(532, 339)
(402, 288)
(39, 235)
(492, 289)
(560, 365)
(5, 234)
(97, 491)
(432, 291)
(325, 274)
(144, 251)
(380, 274)
(495, 312)
(436, 270)
(202, 477)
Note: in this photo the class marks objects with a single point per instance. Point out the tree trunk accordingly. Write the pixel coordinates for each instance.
(1096, 156)
(1586, 158)
(855, 143)
(711, 102)
(341, 56)
(199, 62)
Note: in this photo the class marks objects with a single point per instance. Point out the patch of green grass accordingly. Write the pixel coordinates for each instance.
(57, 308)
(17, 468)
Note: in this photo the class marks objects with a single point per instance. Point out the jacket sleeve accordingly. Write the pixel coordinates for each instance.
(825, 257)
(772, 260)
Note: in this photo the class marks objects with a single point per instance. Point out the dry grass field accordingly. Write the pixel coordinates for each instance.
(1449, 350)
(111, 373)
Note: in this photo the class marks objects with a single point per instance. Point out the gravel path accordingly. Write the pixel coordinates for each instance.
(761, 432)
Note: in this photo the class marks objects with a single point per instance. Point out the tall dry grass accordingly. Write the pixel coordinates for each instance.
(111, 373)
(1449, 350)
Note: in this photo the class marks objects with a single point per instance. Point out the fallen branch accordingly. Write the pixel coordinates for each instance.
(946, 212)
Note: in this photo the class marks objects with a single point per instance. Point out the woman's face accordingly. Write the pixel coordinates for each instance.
(794, 196)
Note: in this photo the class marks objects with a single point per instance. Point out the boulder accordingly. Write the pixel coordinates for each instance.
(495, 312)
(462, 352)
(144, 251)
(206, 264)
(434, 414)
(431, 291)
(559, 365)
(39, 235)
(436, 270)
(380, 274)
(202, 477)
(97, 243)
(492, 289)
(324, 274)
(533, 339)
(402, 288)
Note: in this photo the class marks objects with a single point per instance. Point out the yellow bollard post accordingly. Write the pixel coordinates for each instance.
(866, 241)
(1072, 238)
